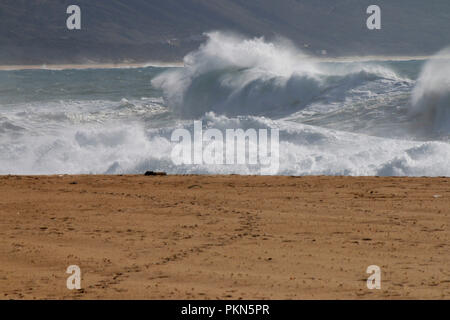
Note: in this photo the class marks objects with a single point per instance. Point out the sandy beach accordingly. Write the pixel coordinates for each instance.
(224, 237)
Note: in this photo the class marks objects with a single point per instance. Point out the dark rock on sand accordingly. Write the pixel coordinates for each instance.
(152, 173)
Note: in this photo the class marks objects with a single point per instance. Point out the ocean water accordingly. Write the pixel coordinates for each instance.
(389, 118)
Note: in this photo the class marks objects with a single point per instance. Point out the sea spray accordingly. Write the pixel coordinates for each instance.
(430, 103)
(349, 118)
(233, 76)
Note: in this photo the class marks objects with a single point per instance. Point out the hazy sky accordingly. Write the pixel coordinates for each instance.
(139, 30)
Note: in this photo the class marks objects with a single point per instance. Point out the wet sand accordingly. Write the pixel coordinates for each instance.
(224, 237)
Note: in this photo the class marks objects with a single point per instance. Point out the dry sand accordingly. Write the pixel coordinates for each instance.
(224, 237)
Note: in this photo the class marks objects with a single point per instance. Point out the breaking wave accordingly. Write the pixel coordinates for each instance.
(233, 76)
(352, 118)
(304, 150)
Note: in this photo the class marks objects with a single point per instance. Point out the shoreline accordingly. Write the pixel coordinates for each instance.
(209, 175)
(181, 64)
(224, 237)
(89, 66)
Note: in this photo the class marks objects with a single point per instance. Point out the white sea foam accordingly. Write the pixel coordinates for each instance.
(304, 150)
(334, 118)
(234, 76)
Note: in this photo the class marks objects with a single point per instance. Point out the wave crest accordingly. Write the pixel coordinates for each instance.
(233, 76)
